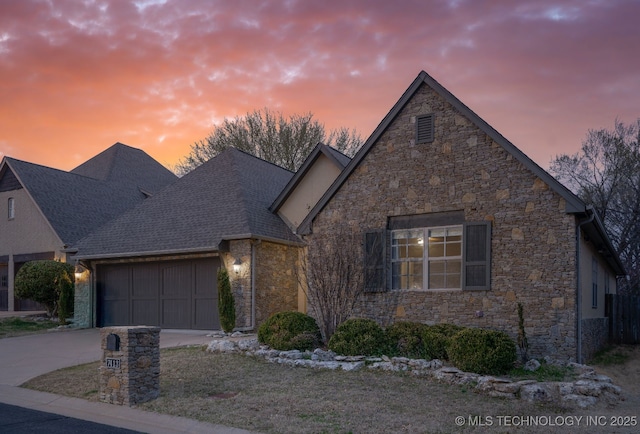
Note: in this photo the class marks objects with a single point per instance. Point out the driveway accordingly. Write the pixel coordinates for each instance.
(26, 357)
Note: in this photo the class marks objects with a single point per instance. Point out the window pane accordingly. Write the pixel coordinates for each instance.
(454, 249)
(415, 251)
(436, 250)
(436, 281)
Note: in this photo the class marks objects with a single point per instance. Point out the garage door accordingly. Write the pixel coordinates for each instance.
(169, 294)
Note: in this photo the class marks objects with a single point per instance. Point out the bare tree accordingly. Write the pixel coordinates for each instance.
(285, 141)
(333, 275)
(606, 174)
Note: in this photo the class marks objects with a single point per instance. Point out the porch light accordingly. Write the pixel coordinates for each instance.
(236, 265)
(79, 269)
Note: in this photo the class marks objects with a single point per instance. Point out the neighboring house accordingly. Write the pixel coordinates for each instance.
(156, 264)
(46, 211)
(459, 226)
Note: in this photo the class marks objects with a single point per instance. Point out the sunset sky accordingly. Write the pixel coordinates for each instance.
(77, 76)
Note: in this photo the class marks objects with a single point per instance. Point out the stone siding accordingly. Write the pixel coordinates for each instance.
(133, 374)
(532, 248)
(82, 307)
(276, 279)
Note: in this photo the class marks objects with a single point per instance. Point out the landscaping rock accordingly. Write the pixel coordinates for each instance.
(583, 393)
(532, 365)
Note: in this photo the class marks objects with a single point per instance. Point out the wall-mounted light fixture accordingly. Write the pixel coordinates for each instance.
(79, 269)
(236, 265)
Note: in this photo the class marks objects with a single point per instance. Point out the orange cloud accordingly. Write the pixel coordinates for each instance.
(157, 74)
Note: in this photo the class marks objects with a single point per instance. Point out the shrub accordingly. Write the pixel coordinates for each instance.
(482, 351)
(435, 345)
(290, 331)
(65, 299)
(43, 281)
(446, 329)
(359, 337)
(226, 303)
(405, 339)
(436, 338)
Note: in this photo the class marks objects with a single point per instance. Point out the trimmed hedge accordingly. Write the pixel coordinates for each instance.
(406, 339)
(359, 336)
(287, 331)
(482, 351)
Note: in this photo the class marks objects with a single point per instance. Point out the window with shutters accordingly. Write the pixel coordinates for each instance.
(433, 258)
(424, 129)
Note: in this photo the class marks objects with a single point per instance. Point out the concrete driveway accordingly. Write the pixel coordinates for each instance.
(26, 357)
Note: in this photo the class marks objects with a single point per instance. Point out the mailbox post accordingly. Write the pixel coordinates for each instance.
(130, 368)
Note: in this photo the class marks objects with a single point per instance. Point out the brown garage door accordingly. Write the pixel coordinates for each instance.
(169, 294)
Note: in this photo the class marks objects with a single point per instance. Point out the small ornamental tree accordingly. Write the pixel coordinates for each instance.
(226, 303)
(47, 282)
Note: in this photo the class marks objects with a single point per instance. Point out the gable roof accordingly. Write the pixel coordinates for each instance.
(75, 204)
(226, 198)
(336, 157)
(574, 204)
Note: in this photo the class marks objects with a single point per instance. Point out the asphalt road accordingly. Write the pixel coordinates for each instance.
(18, 420)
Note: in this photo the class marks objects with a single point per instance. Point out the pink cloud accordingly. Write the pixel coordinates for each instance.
(76, 77)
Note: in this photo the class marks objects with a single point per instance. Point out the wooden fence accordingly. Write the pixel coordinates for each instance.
(624, 318)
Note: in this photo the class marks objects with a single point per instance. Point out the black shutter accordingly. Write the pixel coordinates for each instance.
(424, 129)
(476, 256)
(374, 261)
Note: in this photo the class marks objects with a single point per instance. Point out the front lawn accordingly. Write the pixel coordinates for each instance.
(10, 327)
(250, 393)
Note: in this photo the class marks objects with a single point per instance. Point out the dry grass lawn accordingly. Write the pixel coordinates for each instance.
(250, 393)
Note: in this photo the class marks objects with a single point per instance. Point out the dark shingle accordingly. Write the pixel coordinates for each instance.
(76, 204)
(227, 197)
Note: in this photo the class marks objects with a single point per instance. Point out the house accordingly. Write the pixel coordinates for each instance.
(156, 264)
(45, 211)
(459, 226)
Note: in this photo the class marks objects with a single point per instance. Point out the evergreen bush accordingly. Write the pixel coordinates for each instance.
(482, 351)
(405, 339)
(359, 337)
(290, 331)
(43, 282)
(226, 303)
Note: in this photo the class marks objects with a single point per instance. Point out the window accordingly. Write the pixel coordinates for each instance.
(425, 253)
(424, 129)
(427, 258)
(607, 288)
(4, 281)
(11, 205)
(594, 282)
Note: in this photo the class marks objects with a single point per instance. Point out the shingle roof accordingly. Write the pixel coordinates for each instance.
(76, 203)
(127, 166)
(226, 198)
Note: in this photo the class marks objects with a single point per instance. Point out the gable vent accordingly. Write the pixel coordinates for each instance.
(424, 129)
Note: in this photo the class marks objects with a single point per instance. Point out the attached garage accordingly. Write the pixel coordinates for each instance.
(177, 294)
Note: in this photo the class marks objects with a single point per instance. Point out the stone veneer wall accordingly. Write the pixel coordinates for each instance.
(137, 379)
(276, 280)
(82, 306)
(533, 245)
(595, 336)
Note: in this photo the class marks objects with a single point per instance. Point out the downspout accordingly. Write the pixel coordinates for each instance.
(579, 282)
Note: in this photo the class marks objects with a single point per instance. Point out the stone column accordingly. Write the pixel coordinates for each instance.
(130, 368)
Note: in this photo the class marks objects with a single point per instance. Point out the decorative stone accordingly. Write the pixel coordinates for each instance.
(131, 374)
(535, 393)
(583, 393)
(532, 365)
